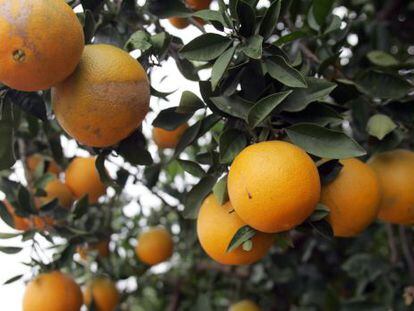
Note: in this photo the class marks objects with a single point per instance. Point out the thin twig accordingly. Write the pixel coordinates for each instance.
(392, 244)
(406, 251)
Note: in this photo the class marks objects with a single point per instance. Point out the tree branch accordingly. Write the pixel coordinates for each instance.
(406, 251)
(392, 244)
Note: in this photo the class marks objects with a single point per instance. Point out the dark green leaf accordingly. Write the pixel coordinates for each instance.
(13, 279)
(270, 19)
(191, 167)
(329, 170)
(253, 47)
(220, 66)
(220, 190)
(321, 9)
(242, 235)
(321, 211)
(196, 196)
(231, 143)
(189, 103)
(291, 37)
(170, 119)
(247, 18)
(280, 70)
(10, 250)
(206, 47)
(381, 58)
(5, 215)
(234, 106)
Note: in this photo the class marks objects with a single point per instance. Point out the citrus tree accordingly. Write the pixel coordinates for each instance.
(283, 181)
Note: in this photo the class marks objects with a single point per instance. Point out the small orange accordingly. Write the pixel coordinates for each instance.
(179, 22)
(353, 198)
(395, 170)
(197, 5)
(32, 54)
(104, 292)
(273, 186)
(49, 166)
(245, 305)
(154, 246)
(82, 178)
(168, 139)
(52, 291)
(102, 247)
(56, 189)
(20, 223)
(216, 226)
(105, 99)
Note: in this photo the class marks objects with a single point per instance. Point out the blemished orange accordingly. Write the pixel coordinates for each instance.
(273, 186)
(353, 198)
(56, 189)
(104, 292)
(101, 247)
(245, 305)
(216, 226)
(82, 178)
(154, 246)
(49, 166)
(32, 55)
(395, 170)
(168, 139)
(19, 223)
(105, 99)
(197, 5)
(179, 22)
(52, 291)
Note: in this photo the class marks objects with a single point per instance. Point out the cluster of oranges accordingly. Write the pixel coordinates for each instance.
(195, 5)
(275, 186)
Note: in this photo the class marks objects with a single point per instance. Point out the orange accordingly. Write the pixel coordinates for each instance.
(52, 291)
(82, 178)
(353, 198)
(197, 5)
(32, 54)
(273, 186)
(154, 246)
(105, 99)
(245, 305)
(49, 166)
(216, 226)
(168, 139)
(101, 247)
(395, 170)
(104, 293)
(179, 22)
(56, 189)
(20, 223)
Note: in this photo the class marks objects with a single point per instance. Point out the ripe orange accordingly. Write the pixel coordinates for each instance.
(217, 225)
(102, 247)
(245, 305)
(273, 186)
(49, 166)
(56, 189)
(395, 170)
(104, 293)
(168, 139)
(154, 246)
(197, 5)
(52, 291)
(32, 55)
(353, 198)
(82, 178)
(105, 99)
(179, 22)
(20, 223)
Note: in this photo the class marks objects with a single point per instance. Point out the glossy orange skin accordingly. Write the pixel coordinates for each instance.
(20, 223)
(53, 291)
(273, 186)
(216, 226)
(395, 170)
(32, 55)
(179, 22)
(102, 247)
(245, 305)
(56, 189)
(353, 198)
(104, 292)
(82, 178)
(154, 246)
(105, 99)
(197, 5)
(168, 139)
(35, 160)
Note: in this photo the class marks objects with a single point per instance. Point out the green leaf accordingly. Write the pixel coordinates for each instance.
(191, 167)
(210, 15)
(170, 119)
(220, 66)
(380, 125)
(189, 103)
(220, 190)
(263, 108)
(139, 40)
(5, 215)
(321, 9)
(206, 47)
(323, 142)
(321, 211)
(81, 207)
(89, 26)
(166, 9)
(231, 143)
(270, 19)
(381, 58)
(242, 235)
(100, 167)
(299, 99)
(253, 47)
(334, 25)
(7, 156)
(25, 200)
(234, 106)
(280, 70)
(247, 18)
(196, 196)
(291, 37)
(10, 249)
(9, 235)
(318, 113)
(13, 279)
(135, 154)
